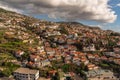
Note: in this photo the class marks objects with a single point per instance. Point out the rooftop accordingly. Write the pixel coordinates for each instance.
(26, 71)
(97, 72)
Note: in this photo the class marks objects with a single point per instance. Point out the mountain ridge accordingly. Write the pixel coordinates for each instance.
(61, 22)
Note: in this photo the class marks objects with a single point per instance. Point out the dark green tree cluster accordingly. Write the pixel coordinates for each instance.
(56, 76)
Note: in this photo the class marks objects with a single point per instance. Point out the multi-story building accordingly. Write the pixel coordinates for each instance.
(100, 74)
(26, 74)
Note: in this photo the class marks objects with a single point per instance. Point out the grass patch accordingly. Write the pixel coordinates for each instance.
(9, 67)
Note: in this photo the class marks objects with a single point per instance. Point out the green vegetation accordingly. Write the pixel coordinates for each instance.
(9, 67)
(115, 34)
(56, 77)
(104, 65)
(110, 65)
(25, 56)
(63, 30)
(1, 32)
(69, 68)
(12, 46)
(6, 56)
(66, 67)
(4, 11)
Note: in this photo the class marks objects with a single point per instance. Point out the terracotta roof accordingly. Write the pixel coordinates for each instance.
(30, 63)
(34, 56)
(90, 65)
(52, 71)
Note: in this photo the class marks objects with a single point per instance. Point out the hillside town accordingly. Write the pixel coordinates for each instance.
(32, 49)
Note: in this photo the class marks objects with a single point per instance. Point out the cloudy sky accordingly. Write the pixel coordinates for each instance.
(103, 13)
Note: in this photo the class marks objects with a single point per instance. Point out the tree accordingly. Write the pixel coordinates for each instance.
(56, 76)
(104, 65)
(82, 66)
(25, 56)
(66, 67)
(63, 59)
(79, 45)
(63, 30)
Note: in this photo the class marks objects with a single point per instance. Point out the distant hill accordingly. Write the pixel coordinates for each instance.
(14, 25)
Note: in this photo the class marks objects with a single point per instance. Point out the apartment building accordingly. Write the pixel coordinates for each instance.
(26, 74)
(100, 74)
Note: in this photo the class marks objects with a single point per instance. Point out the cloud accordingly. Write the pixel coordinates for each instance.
(118, 4)
(9, 8)
(97, 10)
